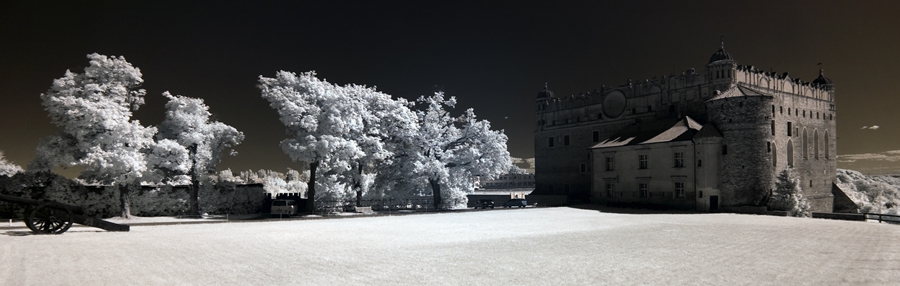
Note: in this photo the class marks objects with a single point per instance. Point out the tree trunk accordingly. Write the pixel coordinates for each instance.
(358, 186)
(436, 191)
(194, 201)
(125, 200)
(311, 189)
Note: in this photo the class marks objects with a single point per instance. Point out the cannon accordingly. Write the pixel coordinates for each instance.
(49, 217)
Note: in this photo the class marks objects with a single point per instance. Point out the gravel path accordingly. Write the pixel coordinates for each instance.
(542, 246)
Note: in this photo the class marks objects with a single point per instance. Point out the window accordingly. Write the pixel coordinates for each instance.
(769, 147)
(643, 188)
(642, 161)
(805, 144)
(679, 159)
(774, 155)
(550, 142)
(789, 128)
(773, 111)
(596, 136)
(724, 149)
(773, 127)
(679, 189)
(610, 163)
(699, 162)
(790, 153)
(816, 144)
(610, 188)
(583, 168)
(700, 194)
(566, 140)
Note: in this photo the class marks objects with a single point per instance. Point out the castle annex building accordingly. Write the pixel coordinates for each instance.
(704, 140)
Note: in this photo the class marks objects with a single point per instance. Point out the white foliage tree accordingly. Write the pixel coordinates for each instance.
(387, 127)
(788, 196)
(8, 168)
(320, 121)
(93, 110)
(451, 151)
(188, 123)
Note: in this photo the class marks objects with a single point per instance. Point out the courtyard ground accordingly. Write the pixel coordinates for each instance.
(536, 246)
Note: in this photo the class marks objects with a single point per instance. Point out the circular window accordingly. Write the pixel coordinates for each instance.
(614, 104)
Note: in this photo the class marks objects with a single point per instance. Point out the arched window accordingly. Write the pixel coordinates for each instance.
(790, 153)
(816, 144)
(774, 155)
(805, 145)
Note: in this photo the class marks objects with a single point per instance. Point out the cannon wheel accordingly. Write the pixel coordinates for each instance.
(48, 219)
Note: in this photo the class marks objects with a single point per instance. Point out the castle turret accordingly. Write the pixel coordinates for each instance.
(746, 172)
(823, 81)
(720, 69)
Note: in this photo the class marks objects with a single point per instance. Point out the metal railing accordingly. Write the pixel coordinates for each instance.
(883, 217)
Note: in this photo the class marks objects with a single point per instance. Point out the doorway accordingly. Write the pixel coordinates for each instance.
(713, 203)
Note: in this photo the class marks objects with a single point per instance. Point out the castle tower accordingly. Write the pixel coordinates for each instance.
(720, 69)
(746, 171)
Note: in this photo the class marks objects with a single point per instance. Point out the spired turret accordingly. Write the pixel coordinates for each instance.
(721, 67)
(720, 55)
(824, 81)
(545, 94)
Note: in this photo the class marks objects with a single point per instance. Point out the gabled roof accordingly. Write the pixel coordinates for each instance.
(737, 91)
(708, 130)
(657, 131)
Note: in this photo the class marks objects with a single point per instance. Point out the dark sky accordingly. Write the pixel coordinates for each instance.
(494, 56)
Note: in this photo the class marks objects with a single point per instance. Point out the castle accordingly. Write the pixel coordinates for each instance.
(709, 140)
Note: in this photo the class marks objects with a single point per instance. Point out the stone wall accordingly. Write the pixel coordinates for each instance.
(746, 170)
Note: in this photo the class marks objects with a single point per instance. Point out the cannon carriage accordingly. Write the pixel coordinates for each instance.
(49, 217)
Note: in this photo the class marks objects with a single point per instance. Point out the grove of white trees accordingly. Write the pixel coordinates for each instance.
(353, 136)
(351, 141)
(94, 113)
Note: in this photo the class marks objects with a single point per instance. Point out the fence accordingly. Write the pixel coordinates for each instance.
(884, 217)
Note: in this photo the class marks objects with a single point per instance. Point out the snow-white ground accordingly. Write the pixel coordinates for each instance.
(540, 246)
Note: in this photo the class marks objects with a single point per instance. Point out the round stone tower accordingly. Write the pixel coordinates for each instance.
(746, 172)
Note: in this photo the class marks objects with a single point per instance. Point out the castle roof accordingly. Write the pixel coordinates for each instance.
(707, 131)
(737, 91)
(545, 93)
(822, 79)
(657, 131)
(720, 55)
